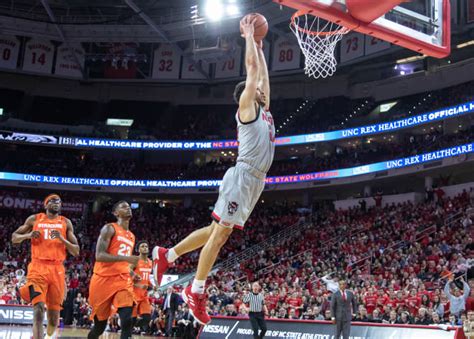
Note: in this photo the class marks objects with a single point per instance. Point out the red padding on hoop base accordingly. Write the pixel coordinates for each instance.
(369, 10)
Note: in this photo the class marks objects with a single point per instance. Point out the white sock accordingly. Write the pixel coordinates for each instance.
(198, 286)
(171, 256)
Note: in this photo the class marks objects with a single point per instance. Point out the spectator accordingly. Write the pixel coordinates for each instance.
(378, 199)
(292, 314)
(435, 319)
(437, 306)
(429, 194)
(423, 317)
(452, 320)
(376, 318)
(186, 324)
(332, 284)
(393, 319)
(317, 313)
(404, 318)
(327, 315)
(439, 195)
(76, 306)
(457, 300)
(362, 314)
(468, 325)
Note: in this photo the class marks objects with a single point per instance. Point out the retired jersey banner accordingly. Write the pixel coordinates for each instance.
(352, 46)
(237, 328)
(119, 63)
(229, 67)
(166, 63)
(9, 49)
(39, 56)
(189, 69)
(375, 45)
(286, 55)
(66, 63)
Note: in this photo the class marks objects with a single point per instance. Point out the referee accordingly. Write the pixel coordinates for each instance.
(256, 311)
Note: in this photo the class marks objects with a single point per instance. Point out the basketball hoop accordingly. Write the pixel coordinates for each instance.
(317, 39)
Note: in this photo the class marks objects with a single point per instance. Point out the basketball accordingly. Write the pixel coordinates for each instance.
(260, 25)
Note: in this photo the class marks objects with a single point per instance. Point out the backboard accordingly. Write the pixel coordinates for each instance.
(420, 25)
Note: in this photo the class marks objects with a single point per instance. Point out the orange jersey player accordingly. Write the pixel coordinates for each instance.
(141, 276)
(111, 283)
(51, 234)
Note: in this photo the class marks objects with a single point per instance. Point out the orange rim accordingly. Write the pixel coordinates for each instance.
(299, 13)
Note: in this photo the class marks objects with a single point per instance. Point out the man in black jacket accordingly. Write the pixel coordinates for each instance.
(170, 305)
(376, 317)
(423, 318)
(362, 315)
(185, 321)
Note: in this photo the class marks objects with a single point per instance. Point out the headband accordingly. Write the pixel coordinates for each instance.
(49, 197)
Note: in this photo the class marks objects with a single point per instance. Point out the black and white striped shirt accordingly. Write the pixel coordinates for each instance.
(256, 301)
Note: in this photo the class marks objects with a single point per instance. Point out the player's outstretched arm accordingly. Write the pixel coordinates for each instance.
(263, 79)
(25, 232)
(247, 111)
(70, 242)
(106, 234)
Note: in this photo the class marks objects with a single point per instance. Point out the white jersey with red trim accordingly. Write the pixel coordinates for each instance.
(257, 141)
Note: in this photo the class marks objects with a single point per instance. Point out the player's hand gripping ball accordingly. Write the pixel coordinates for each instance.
(260, 25)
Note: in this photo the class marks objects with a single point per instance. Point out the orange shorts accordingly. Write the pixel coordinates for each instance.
(142, 307)
(45, 283)
(108, 291)
(143, 303)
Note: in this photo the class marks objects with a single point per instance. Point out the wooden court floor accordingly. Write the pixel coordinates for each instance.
(24, 332)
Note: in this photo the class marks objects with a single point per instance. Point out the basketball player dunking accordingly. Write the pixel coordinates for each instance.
(141, 277)
(111, 283)
(241, 186)
(51, 234)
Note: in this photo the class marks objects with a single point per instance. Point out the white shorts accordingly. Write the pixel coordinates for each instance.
(238, 195)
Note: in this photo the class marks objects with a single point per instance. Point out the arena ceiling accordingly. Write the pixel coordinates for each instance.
(125, 20)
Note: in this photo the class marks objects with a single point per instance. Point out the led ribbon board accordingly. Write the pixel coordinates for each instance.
(385, 127)
(333, 174)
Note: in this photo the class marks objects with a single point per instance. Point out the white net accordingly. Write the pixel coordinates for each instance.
(317, 39)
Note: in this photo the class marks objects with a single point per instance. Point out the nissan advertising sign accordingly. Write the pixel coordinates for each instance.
(15, 314)
(233, 328)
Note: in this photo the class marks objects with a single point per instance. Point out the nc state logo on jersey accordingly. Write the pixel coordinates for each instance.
(232, 207)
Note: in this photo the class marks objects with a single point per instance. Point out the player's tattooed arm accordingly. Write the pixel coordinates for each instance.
(25, 231)
(101, 254)
(70, 242)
